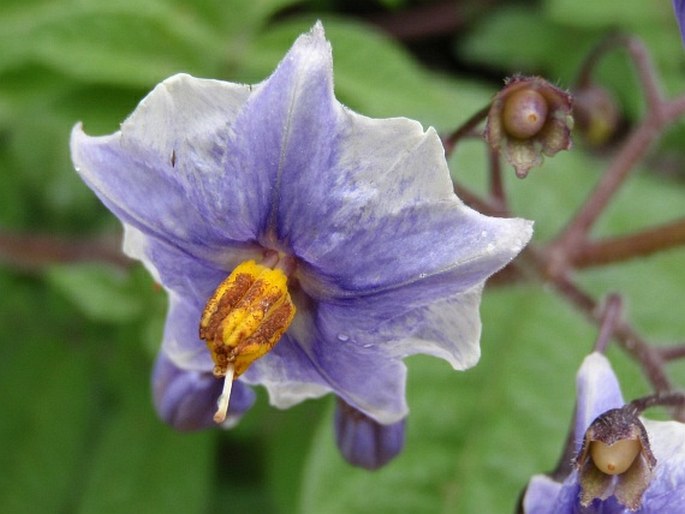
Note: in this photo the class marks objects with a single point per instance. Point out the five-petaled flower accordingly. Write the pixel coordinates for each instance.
(599, 394)
(381, 259)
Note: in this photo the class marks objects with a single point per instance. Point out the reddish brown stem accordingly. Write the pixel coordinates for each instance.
(640, 58)
(660, 113)
(665, 399)
(671, 353)
(32, 252)
(647, 356)
(623, 248)
(497, 190)
(450, 142)
(608, 322)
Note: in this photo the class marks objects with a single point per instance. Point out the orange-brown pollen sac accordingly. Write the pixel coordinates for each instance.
(243, 320)
(246, 316)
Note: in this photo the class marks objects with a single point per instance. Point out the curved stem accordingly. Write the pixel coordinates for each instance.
(609, 321)
(450, 142)
(622, 248)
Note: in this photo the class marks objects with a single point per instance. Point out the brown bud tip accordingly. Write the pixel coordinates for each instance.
(525, 113)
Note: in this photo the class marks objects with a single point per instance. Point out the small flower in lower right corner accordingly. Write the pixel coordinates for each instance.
(679, 8)
(615, 459)
(623, 463)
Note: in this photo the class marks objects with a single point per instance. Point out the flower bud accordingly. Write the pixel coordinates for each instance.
(186, 399)
(615, 459)
(529, 117)
(597, 115)
(363, 441)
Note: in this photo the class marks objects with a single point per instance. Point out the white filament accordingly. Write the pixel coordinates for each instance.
(224, 398)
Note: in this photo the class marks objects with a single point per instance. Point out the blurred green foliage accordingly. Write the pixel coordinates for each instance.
(78, 432)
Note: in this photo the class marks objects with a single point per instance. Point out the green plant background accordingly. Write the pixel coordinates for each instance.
(77, 429)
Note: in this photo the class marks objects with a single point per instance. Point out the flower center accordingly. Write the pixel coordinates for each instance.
(243, 320)
(616, 458)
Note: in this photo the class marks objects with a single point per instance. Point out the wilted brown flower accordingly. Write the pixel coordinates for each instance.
(615, 458)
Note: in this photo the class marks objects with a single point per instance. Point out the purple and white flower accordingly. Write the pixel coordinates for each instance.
(599, 391)
(388, 262)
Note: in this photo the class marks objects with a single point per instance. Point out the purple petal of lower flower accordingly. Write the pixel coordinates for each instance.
(364, 442)
(679, 8)
(186, 400)
(667, 489)
(540, 496)
(598, 391)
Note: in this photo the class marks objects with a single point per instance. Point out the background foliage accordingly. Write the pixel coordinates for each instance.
(78, 433)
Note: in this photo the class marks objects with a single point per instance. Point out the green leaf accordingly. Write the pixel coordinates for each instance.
(609, 13)
(129, 43)
(287, 436)
(45, 426)
(373, 75)
(141, 465)
(523, 40)
(99, 291)
(46, 396)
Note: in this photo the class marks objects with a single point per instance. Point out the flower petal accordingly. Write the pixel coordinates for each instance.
(363, 366)
(309, 361)
(364, 442)
(288, 374)
(448, 329)
(667, 441)
(431, 252)
(190, 277)
(540, 495)
(152, 173)
(364, 377)
(186, 400)
(182, 344)
(679, 8)
(386, 198)
(338, 184)
(597, 390)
